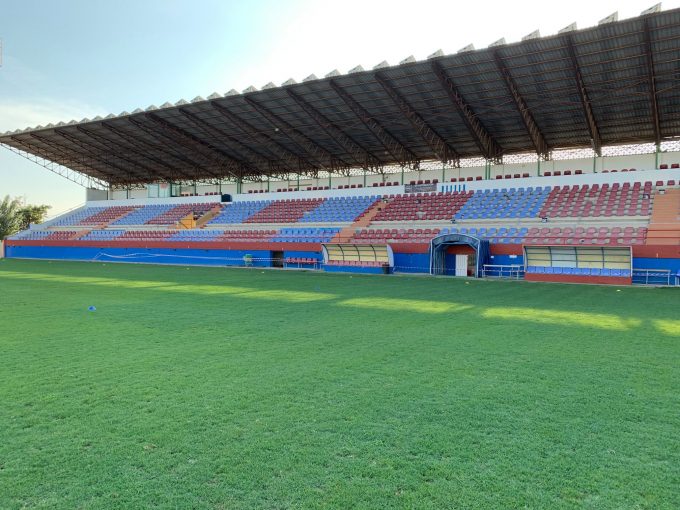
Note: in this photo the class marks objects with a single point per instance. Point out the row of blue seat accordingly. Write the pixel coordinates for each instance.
(580, 271)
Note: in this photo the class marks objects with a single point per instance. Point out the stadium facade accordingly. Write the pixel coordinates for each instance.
(552, 159)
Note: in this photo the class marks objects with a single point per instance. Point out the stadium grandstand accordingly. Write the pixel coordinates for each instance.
(553, 159)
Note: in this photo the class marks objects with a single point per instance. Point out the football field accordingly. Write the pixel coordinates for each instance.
(241, 388)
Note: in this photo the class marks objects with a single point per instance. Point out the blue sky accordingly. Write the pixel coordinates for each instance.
(71, 59)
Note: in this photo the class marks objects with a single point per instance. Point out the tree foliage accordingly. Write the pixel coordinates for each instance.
(15, 215)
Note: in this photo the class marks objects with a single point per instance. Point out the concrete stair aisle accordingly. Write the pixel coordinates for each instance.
(200, 222)
(80, 233)
(347, 233)
(664, 226)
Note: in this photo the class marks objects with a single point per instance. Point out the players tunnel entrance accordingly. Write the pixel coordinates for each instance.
(458, 255)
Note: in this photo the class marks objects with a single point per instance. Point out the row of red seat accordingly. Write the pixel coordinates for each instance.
(288, 211)
(356, 263)
(177, 213)
(300, 260)
(107, 215)
(423, 206)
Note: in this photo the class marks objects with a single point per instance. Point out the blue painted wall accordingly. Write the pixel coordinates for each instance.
(652, 263)
(150, 255)
(303, 254)
(506, 260)
(412, 262)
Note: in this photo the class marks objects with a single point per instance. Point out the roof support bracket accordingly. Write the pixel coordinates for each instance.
(291, 162)
(226, 162)
(534, 131)
(322, 157)
(441, 148)
(651, 76)
(585, 101)
(360, 155)
(252, 158)
(404, 156)
(487, 145)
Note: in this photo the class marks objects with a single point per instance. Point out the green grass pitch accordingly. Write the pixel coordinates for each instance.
(226, 388)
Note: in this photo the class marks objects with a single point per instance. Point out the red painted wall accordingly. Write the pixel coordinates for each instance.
(568, 278)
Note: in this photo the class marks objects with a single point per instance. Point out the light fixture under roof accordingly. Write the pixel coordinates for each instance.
(469, 47)
(568, 28)
(197, 99)
(311, 77)
(408, 60)
(652, 10)
(436, 54)
(232, 92)
(609, 19)
(381, 65)
(499, 42)
(214, 95)
(249, 89)
(333, 74)
(356, 69)
(289, 81)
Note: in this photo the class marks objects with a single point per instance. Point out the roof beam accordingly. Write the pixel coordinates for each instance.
(293, 162)
(84, 161)
(55, 165)
(105, 158)
(486, 143)
(234, 167)
(393, 146)
(314, 149)
(143, 151)
(441, 148)
(651, 77)
(252, 158)
(533, 130)
(361, 156)
(106, 142)
(585, 101)
(163, 133)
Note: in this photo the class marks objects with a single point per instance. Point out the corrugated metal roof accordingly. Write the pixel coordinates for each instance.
(514, 97)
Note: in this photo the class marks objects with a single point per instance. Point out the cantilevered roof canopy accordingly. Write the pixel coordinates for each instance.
(616, 83)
